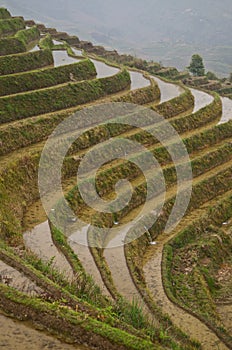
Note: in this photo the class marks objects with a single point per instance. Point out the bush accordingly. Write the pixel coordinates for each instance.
(12, 84)
(11, 26)
(46, 42)
(27, 36)
(177, 105)
(9, 46)
(4, 13)
(61, 97)
(25, 61)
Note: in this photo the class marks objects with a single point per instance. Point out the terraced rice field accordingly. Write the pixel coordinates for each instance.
(119, 296)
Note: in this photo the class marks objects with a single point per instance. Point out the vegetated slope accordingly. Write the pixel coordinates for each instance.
(77, 309)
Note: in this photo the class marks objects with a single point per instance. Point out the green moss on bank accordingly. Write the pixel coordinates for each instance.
(23, 62)
(11, 45)
(177, 105)
(10, 26)
(4, 13)
(192, 261)
(27, 36)
(16, 83)
(52, 99)
(70, 324)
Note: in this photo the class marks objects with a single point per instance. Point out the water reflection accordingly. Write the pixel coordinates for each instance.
(35, 48)
(138, 81)
(19, 335)
(57, 42)
(201, 99)
(226, 110)
(167, 90)
(61, 58)
(103, 70)
(77, 52)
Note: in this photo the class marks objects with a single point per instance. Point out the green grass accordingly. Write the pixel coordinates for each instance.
(26, 36)
(4, 13)
(23, 62)
(47, 77)
(60, 97)
(203, 249)
(10, 26)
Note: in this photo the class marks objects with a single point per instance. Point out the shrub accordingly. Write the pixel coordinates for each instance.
(27, 36)
(4, 13)
(60, 97)
(10, 26)
(25, 61)
(11, 45)
(12, 84)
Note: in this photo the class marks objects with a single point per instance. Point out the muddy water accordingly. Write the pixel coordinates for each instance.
(16, 335)
(225, 312)
(39, 241)
(226, 110)
(17, 280)
(116, 261)
(82, 251)
(37, 236)
(61, 58)
(115, 258)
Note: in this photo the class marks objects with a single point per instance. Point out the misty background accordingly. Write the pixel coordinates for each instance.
(165, 31)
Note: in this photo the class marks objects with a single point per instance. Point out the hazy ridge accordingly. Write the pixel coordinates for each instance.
(153, 29)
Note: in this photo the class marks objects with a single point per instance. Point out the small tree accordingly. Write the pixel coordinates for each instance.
(196, 66)
(211, 76)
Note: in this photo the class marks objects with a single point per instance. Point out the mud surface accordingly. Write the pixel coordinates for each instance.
(39, 241)
(85, 256)
(225, 312)
(17, 280)
(16, 335)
